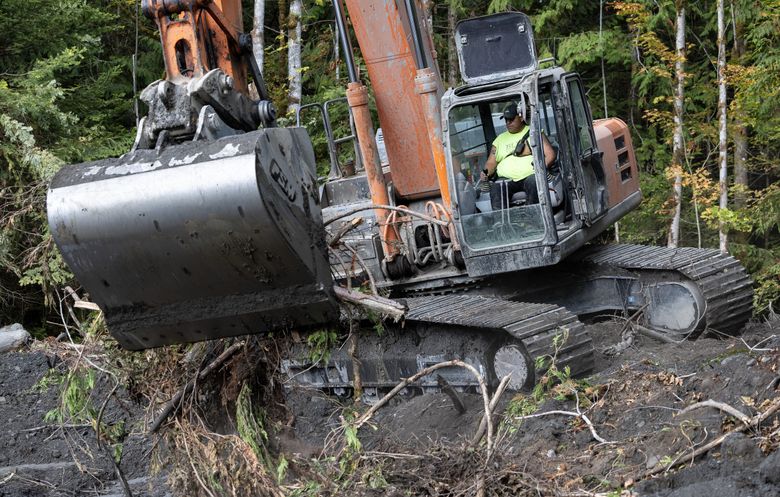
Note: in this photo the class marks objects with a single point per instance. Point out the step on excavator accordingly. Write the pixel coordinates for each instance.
(215, 224)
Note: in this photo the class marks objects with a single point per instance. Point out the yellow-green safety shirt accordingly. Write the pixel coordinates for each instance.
(509, 165)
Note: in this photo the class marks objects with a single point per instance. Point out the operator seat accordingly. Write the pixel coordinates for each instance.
(554, 186)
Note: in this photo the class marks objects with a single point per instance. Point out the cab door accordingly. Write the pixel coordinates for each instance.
(589, 193)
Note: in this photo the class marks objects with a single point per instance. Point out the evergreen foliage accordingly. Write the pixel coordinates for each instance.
(65, 96)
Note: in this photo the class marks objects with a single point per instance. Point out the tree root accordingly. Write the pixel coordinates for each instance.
(173, 404)
(580, 415)
(363, 419)
(717, 405)
(751, 423)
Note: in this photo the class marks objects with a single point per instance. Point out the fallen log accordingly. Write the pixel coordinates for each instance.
(375, 303)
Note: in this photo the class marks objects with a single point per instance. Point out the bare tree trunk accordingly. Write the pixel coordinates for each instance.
(740, 159)
(678, 143)
(601, 49)
(258, 22)
(740, 129)
(723, 134)
(294, 56)
(281, 17)
(337, 51)
(281, 6)
(604, 86)
(452, 51)
(636, 66)
(282, 11)
(425, 9)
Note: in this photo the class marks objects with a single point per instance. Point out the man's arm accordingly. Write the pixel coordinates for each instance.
(549, 151)
(490, 164)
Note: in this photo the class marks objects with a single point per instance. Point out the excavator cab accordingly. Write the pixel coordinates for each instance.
(500, 67)
(515, 220)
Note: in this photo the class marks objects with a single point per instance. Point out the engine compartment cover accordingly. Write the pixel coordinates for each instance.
(495, 47)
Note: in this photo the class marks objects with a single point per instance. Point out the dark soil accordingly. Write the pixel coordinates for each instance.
(420, 445)
(40, 458)
(641, 393)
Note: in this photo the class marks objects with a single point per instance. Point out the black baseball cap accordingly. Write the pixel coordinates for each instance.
(510, 112)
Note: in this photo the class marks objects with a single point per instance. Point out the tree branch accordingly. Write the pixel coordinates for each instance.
(373, 302)
(717, 405)
(173, 404)
(754, 421)
(582, 416)
(493, 403)
(363, 419)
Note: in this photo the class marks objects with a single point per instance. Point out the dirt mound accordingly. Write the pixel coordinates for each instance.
(640, 413)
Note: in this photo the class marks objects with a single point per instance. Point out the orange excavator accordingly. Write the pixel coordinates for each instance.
(215, 224)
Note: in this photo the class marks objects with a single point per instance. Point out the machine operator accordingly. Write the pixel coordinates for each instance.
(511, 159)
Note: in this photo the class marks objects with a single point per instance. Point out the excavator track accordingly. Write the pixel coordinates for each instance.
(494, 335)
(499, 336)
(535, 325)
(725, 288)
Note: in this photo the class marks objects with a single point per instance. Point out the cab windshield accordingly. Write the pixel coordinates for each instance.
(509, 219)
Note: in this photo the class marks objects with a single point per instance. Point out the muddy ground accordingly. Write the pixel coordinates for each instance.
(421, 446)
(40, 456)
(637, 398)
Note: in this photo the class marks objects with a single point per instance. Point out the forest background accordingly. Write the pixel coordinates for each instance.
(70, 71)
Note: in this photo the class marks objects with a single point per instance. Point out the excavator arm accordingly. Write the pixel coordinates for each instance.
(200, 35)
(205, 93)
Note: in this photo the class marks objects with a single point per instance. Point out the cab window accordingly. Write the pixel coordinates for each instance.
(547, 113)
(467, 140)
(578, 106)
(472, 129)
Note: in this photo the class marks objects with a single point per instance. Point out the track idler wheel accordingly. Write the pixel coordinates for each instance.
(511, 357)
(399, 353)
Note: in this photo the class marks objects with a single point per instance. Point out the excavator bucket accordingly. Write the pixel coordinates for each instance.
(199, 240)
